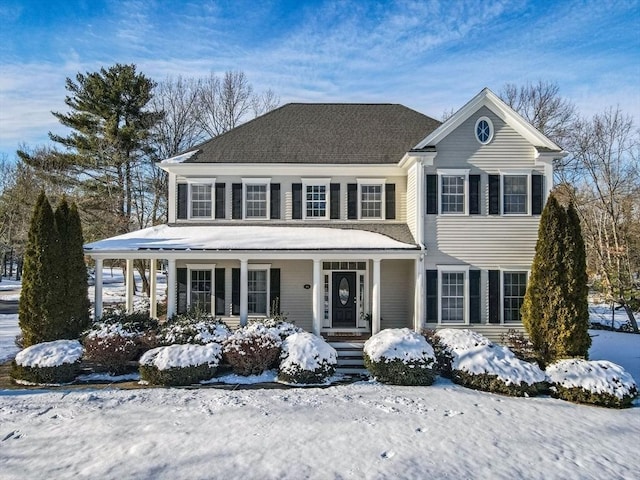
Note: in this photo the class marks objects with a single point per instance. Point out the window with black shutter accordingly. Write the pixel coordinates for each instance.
(274, 292)
(296, 192)
(235, 291)
(334, 194)
(275, 200)
(432, 296)
(494, 194)
(220, 291)
(236, 201)
(537, 195)
(352, 201)
(474, 194)
(494, 296)
(183, 201)
(181, 290)
(432, 194)
(220, 200)
(475, 312)
(390, 201)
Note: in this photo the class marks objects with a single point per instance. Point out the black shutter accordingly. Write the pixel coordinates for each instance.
(352, 201)
(474, 194)
(494, 296)
(236, 201)
(432, 194)
(432, 296)
(474, 296)
(390, 201)
(220, 200)
(219, 279)
(296, 191)
(334, 197)
(181, 274)
(494, 194)
(235, 291)
(183, 200)
(536, 194)
(275, 201)
(274, 296)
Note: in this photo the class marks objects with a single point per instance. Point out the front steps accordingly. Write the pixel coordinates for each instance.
(350, 361)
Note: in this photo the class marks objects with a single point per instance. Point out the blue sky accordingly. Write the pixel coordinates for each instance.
(429, 55)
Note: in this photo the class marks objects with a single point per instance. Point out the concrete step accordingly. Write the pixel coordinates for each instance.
(352, 371)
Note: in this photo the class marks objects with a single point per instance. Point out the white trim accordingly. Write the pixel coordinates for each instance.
(248, 170)
(454, 172)
(491, 130)
(454, 269)
(316, 182)
(256, 182)
(211, 182)
(381, 182)
(515, 173)
(198, 180)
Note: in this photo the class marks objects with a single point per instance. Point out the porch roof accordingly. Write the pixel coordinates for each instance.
(245, 238)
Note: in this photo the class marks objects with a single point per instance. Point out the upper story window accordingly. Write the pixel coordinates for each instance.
(453, 191)
(371, 199)
(484, 130)
(316, 198)
(515, 199)
(201, 200)
(256, 198)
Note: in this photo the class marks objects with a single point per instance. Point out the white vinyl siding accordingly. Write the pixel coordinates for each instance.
(396, 293)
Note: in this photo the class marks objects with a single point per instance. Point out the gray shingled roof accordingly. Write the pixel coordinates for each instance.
(339, 133)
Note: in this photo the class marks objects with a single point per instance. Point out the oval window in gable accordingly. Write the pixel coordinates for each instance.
(484, 130)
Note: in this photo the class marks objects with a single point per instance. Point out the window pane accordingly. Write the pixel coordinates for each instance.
(257, 291)
(200, 201)
(371, 201)
(515, 194)
(452, 297)
(256, 201)
(515, 286)
(452, 194)
(201, 290)
(316, 201)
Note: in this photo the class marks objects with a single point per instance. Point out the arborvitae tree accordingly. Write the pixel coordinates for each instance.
(573, 331)
(545, 308)
(73, 271)
(41, 300)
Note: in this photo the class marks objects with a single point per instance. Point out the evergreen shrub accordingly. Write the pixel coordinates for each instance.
(195, 327)
(52, 362)
(179, 365)
(251, 350)
(306, 359)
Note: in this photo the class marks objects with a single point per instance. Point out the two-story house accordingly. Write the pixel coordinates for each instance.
(352, 218)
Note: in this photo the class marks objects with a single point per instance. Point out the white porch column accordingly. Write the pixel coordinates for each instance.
(98, 290)
(153, 286)
(128, 284)
(317, 310)
(172, 279)
(418, 305)
(375, 297)
(244, 291)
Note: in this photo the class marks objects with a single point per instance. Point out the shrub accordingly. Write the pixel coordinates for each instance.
(520, 345)
(594, 382)
(251, 350)
(49, 362)
(445, 340)
(193, 327)
(276, 325)
(306, 359)
(477, 363)
(180, 364)
(400, 357)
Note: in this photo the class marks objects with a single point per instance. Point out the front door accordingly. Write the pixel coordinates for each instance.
(344, 300)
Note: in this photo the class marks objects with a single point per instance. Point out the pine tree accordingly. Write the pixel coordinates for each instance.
(41, 300)
(545, 303)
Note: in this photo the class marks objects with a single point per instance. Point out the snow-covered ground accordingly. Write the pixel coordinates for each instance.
(362, 430)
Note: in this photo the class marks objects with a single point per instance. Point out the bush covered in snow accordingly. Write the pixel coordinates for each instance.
(252, 350)
(598, 382)
(306, 359)
(401, 357)
(479, 364)
(520, 345)
(49, 362)
(119, 338)
(193, 327)
(276, 325)
(180, 364)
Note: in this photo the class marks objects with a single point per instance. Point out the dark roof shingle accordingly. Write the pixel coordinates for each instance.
(321, 133)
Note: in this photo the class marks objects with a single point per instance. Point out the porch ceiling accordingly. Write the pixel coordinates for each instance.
(246, 238)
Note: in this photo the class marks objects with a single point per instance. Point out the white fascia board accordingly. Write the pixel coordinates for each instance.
(411, 158)
(285, 169)
(486, 98)
(545, 158)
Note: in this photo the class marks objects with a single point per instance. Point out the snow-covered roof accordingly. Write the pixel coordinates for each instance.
(232, 237)
(180, 158)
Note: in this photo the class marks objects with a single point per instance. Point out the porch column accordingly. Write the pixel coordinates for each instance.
(317, 316)
(418, 302)
(172, 279)
(98, 290)
(153, 285)
(375, 297)
(128, 284)
(244, 292)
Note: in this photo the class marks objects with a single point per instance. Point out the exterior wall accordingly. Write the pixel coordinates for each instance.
(397, 293)
(412, 201)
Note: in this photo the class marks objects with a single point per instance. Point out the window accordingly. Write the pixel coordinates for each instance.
(452, 297)
(258, 292)
(516, 197)
(316, 196)
(200, 290)
(514, 288)
(452, 198)
(484, 130)
(201, 200)
(256, 200)
(371, 201)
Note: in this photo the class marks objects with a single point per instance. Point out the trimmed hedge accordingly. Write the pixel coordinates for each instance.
(180, 364)
(402, 372)
(251, 351)
(179, 376)
(306, 359)
(492, 383)
(195, 327)
(65, 373)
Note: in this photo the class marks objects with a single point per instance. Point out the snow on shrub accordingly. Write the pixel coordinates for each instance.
(180, 364)
(252, 350)
(119, 338)
(49, 362)
(193, 327)
(401, 357)
(477, 363)
(306, 359)
(275, 325)
(597, 382)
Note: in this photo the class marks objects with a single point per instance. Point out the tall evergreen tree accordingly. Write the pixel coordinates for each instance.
(41, 300)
